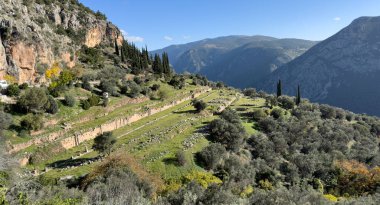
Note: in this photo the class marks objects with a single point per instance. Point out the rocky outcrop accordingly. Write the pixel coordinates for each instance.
(24, 57)
(106, 33)
(94, 37)
(3, 59)
(35, 35)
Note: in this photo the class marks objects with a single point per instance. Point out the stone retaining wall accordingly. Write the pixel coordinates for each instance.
(78, 138)
(85, 135)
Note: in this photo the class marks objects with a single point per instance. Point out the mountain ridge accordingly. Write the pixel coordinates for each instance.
(208, 57)
(330, 71)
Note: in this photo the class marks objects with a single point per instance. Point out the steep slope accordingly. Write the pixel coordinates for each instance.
(35, 34)
(239, 61)
(342, 70)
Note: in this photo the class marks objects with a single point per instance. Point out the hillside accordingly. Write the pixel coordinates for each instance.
(341, 71)
(36, 34)
(120, 127)
(256, 149)
(239, 61)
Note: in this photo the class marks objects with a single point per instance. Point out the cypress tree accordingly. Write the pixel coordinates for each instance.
(298, 97)
(122, 55)
(279, 88)
(147, 55)
(117, 52)
(165, 63)
(157, 65)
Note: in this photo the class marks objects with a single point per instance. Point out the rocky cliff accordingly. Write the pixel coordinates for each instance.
(34, 34)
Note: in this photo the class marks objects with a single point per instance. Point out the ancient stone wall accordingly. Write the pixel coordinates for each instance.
(85, 135)
(75, 140)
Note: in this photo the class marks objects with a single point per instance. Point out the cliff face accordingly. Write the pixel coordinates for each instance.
(36, 35)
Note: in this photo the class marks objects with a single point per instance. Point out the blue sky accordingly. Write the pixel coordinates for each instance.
(161, 23)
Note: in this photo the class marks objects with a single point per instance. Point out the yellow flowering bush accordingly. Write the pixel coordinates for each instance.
(203, 178)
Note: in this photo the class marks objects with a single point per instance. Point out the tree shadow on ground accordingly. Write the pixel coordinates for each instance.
(186, 112)
(72, 162)
(171, 161)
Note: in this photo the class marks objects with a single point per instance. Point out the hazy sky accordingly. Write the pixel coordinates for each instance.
(159, 23)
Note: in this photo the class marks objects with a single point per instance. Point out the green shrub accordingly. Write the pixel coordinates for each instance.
(231, 135)
(70, 100)
(163, 94)
(86, 105)
(109, 86)
(146, 91)
(155, 87)
(181, 158)
(259, 114)
(134, 90)
(5, 120)
(94, 100)
(23, 86)
(87, 86)
(210, 156)
(286, 102)
(104, 143)
(199, 105)
(137, 80)
(32, 122)
(34, 99)
(13, 90)
(92, 57)
(51, 105)
(276, 113)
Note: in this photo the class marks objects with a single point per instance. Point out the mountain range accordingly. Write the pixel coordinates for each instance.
(240, 61)
(342, 70)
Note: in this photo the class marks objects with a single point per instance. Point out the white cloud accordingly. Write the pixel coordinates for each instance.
(168, 38)
(132, 38)
(337, 18)
(186, 37)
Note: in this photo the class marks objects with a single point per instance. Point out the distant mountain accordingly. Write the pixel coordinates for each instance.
(343, 70)
(239, 61)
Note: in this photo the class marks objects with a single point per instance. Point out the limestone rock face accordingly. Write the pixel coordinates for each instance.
(24, 57)
(3, 59)
(94, 36)
(37, 35)
(106, 33)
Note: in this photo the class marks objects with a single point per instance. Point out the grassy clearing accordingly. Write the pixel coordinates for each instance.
(244, 106)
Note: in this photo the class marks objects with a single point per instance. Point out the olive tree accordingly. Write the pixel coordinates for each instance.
(103, 143)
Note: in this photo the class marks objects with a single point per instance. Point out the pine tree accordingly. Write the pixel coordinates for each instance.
(117, 52)
(298, 97)
(279, 88)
